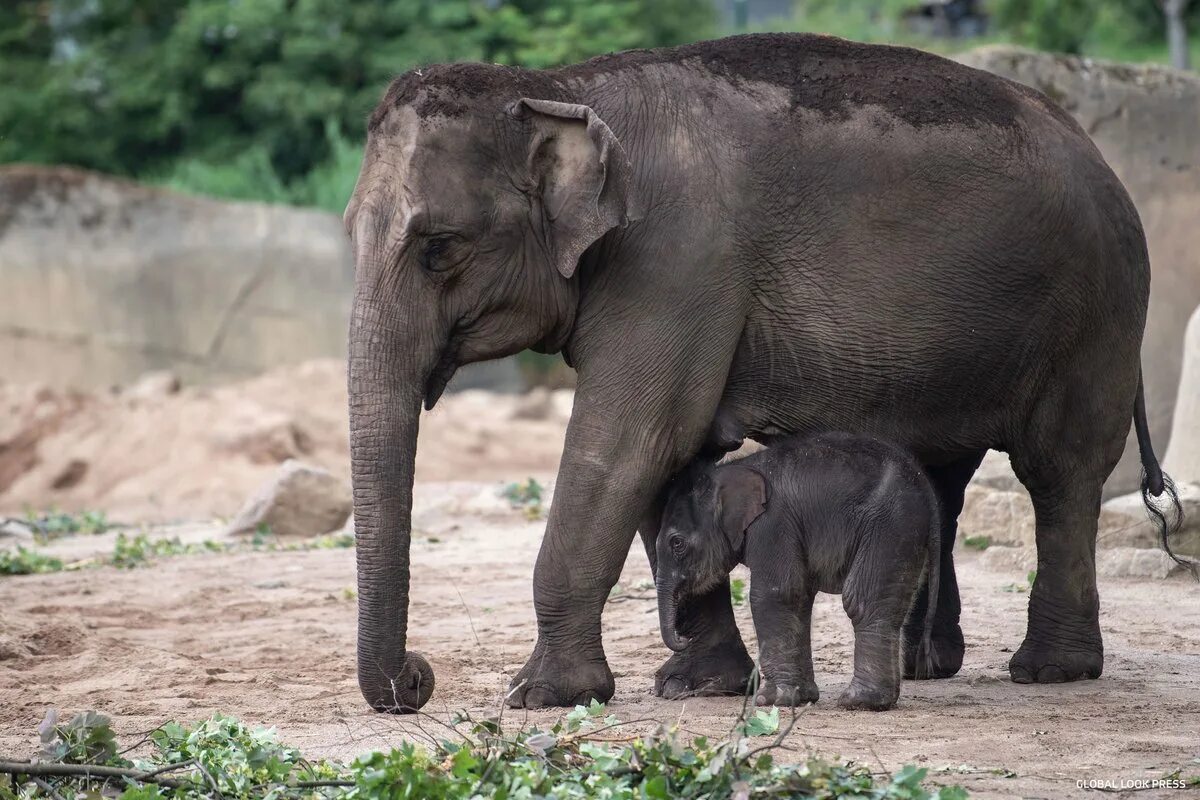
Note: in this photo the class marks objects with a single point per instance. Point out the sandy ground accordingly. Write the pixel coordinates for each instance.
(269, 637)
(148, 454)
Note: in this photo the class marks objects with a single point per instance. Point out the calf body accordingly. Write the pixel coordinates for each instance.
(837, 513)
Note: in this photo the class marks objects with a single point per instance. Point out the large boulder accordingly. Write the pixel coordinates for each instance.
(299, 502)
(1144, 120)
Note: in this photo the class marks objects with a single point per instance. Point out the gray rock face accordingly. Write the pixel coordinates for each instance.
(1127, 524)
(1133, 562)
(1183, 454)
(1144, 119)
(299, 502)
(102, 280)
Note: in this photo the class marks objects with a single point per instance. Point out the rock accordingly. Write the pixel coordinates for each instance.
(996, 473)
(1124, 523)
(999, 558)
(300, 501)
(15, 532)
(1182, 459)
(153, 386)
(1135, 562)
(1007, 517)
(1143, 118)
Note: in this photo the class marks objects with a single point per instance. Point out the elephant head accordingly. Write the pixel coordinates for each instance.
(702, 536)
(480, 189)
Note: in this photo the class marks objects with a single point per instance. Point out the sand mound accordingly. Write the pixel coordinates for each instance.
(151, 453)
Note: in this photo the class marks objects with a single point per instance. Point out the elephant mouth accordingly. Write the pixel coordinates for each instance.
(442, 372)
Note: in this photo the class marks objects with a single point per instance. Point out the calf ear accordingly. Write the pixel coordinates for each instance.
(582, 176)
(741, 499)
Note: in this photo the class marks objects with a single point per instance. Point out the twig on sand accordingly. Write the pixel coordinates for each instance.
(48, 789)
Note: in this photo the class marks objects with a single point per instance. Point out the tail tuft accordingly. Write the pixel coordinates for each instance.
(1170, 520)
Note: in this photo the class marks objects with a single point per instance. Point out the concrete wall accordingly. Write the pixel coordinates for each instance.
(102, 279)
(1146, 121)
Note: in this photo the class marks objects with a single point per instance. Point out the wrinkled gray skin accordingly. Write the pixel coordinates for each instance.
(815, 234)
(838, 513)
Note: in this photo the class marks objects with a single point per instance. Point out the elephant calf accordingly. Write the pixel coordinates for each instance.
(838, 513)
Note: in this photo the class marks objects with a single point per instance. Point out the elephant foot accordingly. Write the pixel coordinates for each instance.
(943, 660)
(1037, 663)
(705, 670)
(865, 697)
(565, 677)
(786, 694)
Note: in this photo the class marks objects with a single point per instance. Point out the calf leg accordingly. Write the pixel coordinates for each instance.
(783, 622)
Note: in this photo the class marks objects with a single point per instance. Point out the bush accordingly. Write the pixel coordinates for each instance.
(572, 759)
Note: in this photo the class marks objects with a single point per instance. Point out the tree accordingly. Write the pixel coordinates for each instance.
(1177, 34)
(266, 88)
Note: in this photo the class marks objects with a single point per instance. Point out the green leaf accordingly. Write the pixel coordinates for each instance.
(763, 723)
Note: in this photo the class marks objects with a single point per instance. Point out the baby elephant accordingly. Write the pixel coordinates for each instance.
(837, 513)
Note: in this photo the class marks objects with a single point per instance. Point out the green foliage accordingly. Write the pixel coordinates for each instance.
(267, 99)
(763, 723)
(527, 495)
(1021, 588)
(27, 562)
(977, 542)
(53, 524)
(86, 739)
(737, 591)
(571, 759)
(137, 551)
(1059, 25)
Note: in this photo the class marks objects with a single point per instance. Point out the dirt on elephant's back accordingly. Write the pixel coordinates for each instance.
(269, 637)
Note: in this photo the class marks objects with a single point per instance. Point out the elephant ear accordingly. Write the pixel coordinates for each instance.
(583, 175)
(741, 499)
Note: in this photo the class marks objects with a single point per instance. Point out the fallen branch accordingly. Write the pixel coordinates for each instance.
(34, 770)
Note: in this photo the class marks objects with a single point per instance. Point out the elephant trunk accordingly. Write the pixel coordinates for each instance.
(385, 386)
(667, 613)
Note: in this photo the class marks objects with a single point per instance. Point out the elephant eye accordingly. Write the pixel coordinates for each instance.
(676, 544)
(433, 256)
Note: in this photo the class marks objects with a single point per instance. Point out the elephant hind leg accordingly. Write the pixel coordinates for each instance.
(1073, 441)
(949, 482)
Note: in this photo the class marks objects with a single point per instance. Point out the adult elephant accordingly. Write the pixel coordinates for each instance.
(808, 233)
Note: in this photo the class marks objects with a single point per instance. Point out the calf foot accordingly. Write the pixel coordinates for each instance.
(863, 696)
(562, 677)
(787, 694)
(705, 670)
(1036, 663)
(944, 659)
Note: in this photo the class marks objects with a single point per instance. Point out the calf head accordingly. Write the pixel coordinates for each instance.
(702, 534)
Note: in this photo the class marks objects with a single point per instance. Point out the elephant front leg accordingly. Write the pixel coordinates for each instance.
(783, 622)
(602, 493)
(715, 662)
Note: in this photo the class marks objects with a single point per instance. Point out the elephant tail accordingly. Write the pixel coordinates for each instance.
(933, 579)
(1156, 483)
